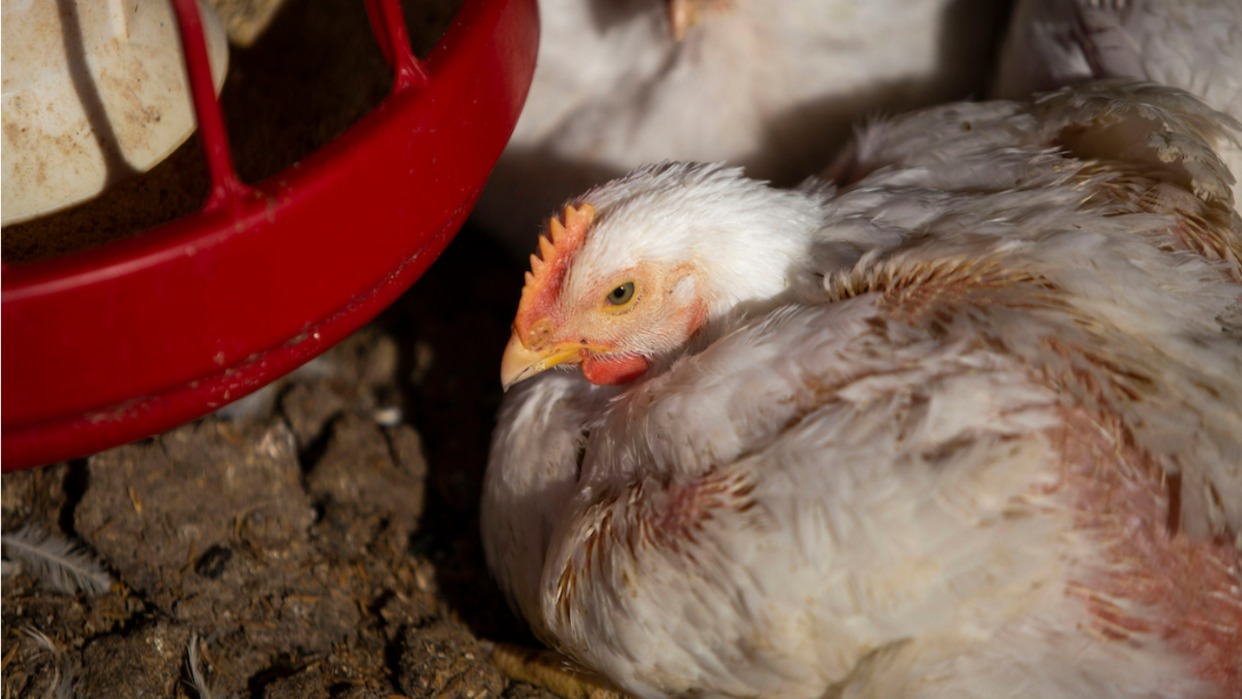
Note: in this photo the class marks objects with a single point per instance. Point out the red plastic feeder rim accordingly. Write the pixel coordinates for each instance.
(135, 337)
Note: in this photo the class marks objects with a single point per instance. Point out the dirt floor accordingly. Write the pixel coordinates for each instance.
(320, 541)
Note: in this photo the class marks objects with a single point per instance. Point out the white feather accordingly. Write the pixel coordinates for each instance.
(774, 91)
(62, 564)
(1193, 45)
(880, 481)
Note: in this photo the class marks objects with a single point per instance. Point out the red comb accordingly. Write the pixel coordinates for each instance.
(547, 269)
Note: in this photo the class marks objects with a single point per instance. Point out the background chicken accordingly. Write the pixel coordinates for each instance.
(774, 91)
(1196, 46)
(967, 428)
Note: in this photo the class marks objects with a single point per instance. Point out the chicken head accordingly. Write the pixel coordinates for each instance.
(631, 271)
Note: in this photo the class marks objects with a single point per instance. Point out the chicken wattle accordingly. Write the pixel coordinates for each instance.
(968, 427)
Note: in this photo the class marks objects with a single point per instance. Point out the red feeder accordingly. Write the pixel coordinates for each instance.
(114, 344)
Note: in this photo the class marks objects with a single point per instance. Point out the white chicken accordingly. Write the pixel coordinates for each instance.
(1195, 45)
(774, 89)
(969, 428)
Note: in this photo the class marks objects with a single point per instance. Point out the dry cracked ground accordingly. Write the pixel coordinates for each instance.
(321, 541)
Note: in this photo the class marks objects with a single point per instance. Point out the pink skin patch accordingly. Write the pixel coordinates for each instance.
(1153, 581)
(610, 371)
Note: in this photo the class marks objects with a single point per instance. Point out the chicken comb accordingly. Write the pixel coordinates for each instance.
(548, 267)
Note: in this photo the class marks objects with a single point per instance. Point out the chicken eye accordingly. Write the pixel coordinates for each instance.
(621, 295)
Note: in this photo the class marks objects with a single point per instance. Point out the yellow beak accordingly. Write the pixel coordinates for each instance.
(520, 363)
